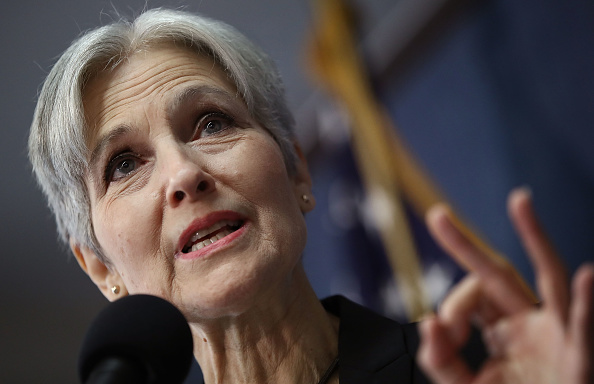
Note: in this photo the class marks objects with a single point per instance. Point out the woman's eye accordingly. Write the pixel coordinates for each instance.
(120, 166)
(213, 123)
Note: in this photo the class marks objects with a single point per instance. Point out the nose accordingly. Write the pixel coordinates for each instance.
(186, 179)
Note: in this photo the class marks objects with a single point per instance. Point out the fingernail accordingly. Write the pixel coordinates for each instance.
(436, 210)
(526, 190)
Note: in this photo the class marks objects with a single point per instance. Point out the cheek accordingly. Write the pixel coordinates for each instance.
(128, 234)
(114, 227)
(260, 175)
(264, 181)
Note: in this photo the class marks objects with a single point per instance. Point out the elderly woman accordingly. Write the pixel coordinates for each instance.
(167, 154)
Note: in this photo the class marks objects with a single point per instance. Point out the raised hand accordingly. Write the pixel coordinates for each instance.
(550, 342)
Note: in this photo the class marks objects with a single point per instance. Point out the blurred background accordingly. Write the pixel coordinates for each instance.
(495, 94)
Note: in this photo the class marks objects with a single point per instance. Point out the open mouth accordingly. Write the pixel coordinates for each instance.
(211, 235)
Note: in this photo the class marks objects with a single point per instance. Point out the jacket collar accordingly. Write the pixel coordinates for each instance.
(372, 348)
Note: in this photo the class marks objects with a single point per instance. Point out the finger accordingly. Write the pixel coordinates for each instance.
(457, 310)
(581, 318)
(455, 238)
(464, 305)
(500, 281)
(551, 277)
(502, 336)
(438, 356)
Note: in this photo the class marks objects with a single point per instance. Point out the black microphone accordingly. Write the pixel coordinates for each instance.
(137, 339)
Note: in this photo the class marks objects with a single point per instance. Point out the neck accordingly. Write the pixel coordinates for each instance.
(288, 340)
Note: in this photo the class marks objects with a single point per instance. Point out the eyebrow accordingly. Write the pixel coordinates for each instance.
(105, 141)
(194, 93)
(189, 94)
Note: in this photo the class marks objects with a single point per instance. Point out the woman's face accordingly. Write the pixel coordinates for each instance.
(190, 197)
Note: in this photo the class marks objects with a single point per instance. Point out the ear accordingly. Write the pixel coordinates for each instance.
(302, 182)
(105, 277)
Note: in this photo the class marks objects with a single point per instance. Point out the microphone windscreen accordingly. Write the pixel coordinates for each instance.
(144, 329)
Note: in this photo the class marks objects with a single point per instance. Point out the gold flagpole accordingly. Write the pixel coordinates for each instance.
(337, 64)
(389, 171)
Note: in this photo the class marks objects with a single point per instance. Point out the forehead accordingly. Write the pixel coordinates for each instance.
(147, 77)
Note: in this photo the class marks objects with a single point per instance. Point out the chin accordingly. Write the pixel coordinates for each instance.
(219, 301)
(234, 294)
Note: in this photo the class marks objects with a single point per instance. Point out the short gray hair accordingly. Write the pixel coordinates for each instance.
(57, 141)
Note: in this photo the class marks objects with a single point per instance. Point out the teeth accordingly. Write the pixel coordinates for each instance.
(211, 240)
(205, 232)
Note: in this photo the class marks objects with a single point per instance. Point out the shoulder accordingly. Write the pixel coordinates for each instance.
(373, 348)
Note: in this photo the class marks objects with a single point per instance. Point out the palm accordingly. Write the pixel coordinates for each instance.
(533, 356)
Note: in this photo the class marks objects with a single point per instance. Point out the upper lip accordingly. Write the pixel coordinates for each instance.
(203, 223)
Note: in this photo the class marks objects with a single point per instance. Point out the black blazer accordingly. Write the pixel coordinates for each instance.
(374, 349)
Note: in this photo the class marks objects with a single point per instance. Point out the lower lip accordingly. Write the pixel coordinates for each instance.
(217, 245)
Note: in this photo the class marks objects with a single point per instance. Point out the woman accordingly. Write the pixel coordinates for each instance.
(167, 154)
